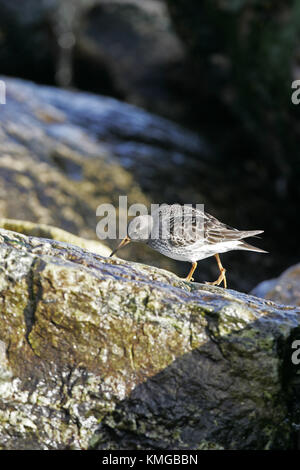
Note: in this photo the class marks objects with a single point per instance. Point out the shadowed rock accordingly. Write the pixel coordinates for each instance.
(102, 353)
(283, 290)
(122, 48)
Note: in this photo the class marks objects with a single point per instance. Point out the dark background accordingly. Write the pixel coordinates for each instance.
(223, 69)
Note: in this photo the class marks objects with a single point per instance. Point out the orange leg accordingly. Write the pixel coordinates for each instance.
(222, 276)
(189, 276)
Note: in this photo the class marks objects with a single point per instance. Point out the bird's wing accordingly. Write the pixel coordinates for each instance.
(199, 226)
(217, 232)
(184, 227)
(190, 225)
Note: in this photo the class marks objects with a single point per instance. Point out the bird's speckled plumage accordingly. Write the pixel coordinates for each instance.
(202, 236)
(186, 233)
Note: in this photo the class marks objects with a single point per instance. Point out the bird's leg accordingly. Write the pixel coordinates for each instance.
(189, 276)
(222, 276)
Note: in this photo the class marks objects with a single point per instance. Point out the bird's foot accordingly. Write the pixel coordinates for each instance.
(221, 278)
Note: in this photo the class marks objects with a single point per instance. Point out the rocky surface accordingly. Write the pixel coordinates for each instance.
(284, 290)
(53, 233)
(101, 353)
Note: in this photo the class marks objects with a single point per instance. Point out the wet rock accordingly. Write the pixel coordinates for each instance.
(66, 130)
(101, 353)
(53, 172)
(283, 290)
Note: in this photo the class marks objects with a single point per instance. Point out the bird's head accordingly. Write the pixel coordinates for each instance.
(138, 230)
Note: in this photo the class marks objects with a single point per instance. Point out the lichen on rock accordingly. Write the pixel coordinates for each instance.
(102, 353)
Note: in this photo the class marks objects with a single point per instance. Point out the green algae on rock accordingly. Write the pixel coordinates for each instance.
(101, 353)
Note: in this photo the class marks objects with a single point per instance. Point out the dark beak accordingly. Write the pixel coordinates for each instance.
(124, 242)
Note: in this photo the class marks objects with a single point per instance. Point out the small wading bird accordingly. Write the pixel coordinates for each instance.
(192, 235)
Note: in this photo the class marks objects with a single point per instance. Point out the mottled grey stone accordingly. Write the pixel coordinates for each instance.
(102, 353)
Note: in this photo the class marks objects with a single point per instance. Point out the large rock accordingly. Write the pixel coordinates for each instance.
(101, 353)
(284, 290)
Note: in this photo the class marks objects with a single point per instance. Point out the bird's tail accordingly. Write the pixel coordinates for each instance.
(249, 233)
(246, 246)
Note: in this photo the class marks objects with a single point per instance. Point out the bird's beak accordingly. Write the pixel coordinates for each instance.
(124, 242)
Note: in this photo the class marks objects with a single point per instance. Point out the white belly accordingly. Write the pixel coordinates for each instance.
(197, 251)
